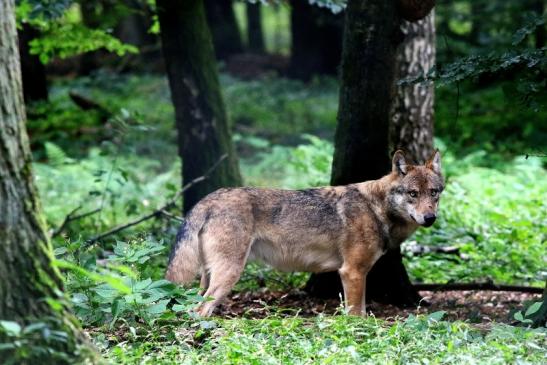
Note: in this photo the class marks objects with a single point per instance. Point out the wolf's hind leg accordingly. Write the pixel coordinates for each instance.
(225, 262)
(204, 282)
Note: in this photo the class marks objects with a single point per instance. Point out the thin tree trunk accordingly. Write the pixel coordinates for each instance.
(538, 7)
(200, 114)
(316, 40)
(29, 283)
(134, 29)
(33, 71)
(412, 115)
(223, 25)
(255, 36)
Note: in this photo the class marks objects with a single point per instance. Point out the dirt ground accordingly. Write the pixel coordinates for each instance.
(472, 306)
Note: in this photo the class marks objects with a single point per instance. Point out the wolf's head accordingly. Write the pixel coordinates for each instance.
(415, 192)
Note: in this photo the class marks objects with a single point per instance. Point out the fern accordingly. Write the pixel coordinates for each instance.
(55, 154)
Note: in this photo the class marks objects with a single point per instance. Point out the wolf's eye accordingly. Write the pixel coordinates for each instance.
(413, 194)
(434, 193)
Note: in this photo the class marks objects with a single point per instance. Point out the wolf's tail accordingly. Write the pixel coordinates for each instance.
(184, 261)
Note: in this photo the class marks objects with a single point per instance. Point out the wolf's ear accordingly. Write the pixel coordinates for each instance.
(399, 163)
(434, 162)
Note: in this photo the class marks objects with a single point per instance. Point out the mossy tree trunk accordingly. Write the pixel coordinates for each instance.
(372, 48)
(316, 40)
(30, 286)
(200, 114)
(223, 25)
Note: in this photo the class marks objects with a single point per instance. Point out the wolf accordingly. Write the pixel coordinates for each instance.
(345, 228)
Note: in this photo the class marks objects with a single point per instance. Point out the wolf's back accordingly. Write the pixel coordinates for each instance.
(184, 259)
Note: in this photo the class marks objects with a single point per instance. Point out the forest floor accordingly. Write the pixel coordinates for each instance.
(477, 306)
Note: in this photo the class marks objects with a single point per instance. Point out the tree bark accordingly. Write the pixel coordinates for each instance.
(412, 114)
(366, 124)
(33, 71)
(368, 75)
(222, 22)
(200, 114)
(316, 41)
(30, 283)
(255, 36)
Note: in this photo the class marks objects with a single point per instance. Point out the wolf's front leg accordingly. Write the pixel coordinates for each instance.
(353, 281)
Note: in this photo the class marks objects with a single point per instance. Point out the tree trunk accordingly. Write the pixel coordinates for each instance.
(316, 40)
(29, 283)
(412, 115)
(255, 36)
(222, 22)
(366, 124)
(133, 29)
(33, 71)
(368, 75)
(538, 6)
(91, 12)
(201, 118)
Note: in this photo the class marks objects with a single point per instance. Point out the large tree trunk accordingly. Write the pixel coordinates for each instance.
(411, 130)
(33, 71)
(316, 40)
(222, 22)
(366, 123)
(199, 109)
(255, 36)
(29, 283)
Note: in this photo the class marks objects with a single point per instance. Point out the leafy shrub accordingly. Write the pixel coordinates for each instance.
(305, 165)
(34, 342)
(118, 288)
(497, 218)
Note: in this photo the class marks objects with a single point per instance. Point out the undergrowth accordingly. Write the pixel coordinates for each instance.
(493, 210)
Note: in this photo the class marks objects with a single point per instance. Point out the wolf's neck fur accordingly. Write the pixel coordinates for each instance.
(396, 227)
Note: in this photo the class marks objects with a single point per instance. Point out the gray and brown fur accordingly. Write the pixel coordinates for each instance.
(344, 228)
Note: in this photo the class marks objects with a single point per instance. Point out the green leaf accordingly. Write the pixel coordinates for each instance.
(532, 309)
(11, 328)
(158, 308)
(141, 285)
(436, 316)
(116, 308)
(518, 316)
(34, 327)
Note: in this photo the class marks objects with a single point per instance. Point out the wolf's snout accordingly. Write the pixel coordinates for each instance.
(429, 219)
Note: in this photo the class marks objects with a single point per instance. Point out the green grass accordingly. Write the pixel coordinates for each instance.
(333, 340)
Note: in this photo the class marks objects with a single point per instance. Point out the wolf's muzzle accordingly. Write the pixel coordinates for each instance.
(429, 219)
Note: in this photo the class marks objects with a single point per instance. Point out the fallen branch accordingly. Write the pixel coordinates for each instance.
(419, 250)
(70, 218)
(158, 211)
(172, 216)
(488, 285)
(86, 103)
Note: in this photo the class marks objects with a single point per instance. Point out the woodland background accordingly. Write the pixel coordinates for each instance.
(116, 132)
